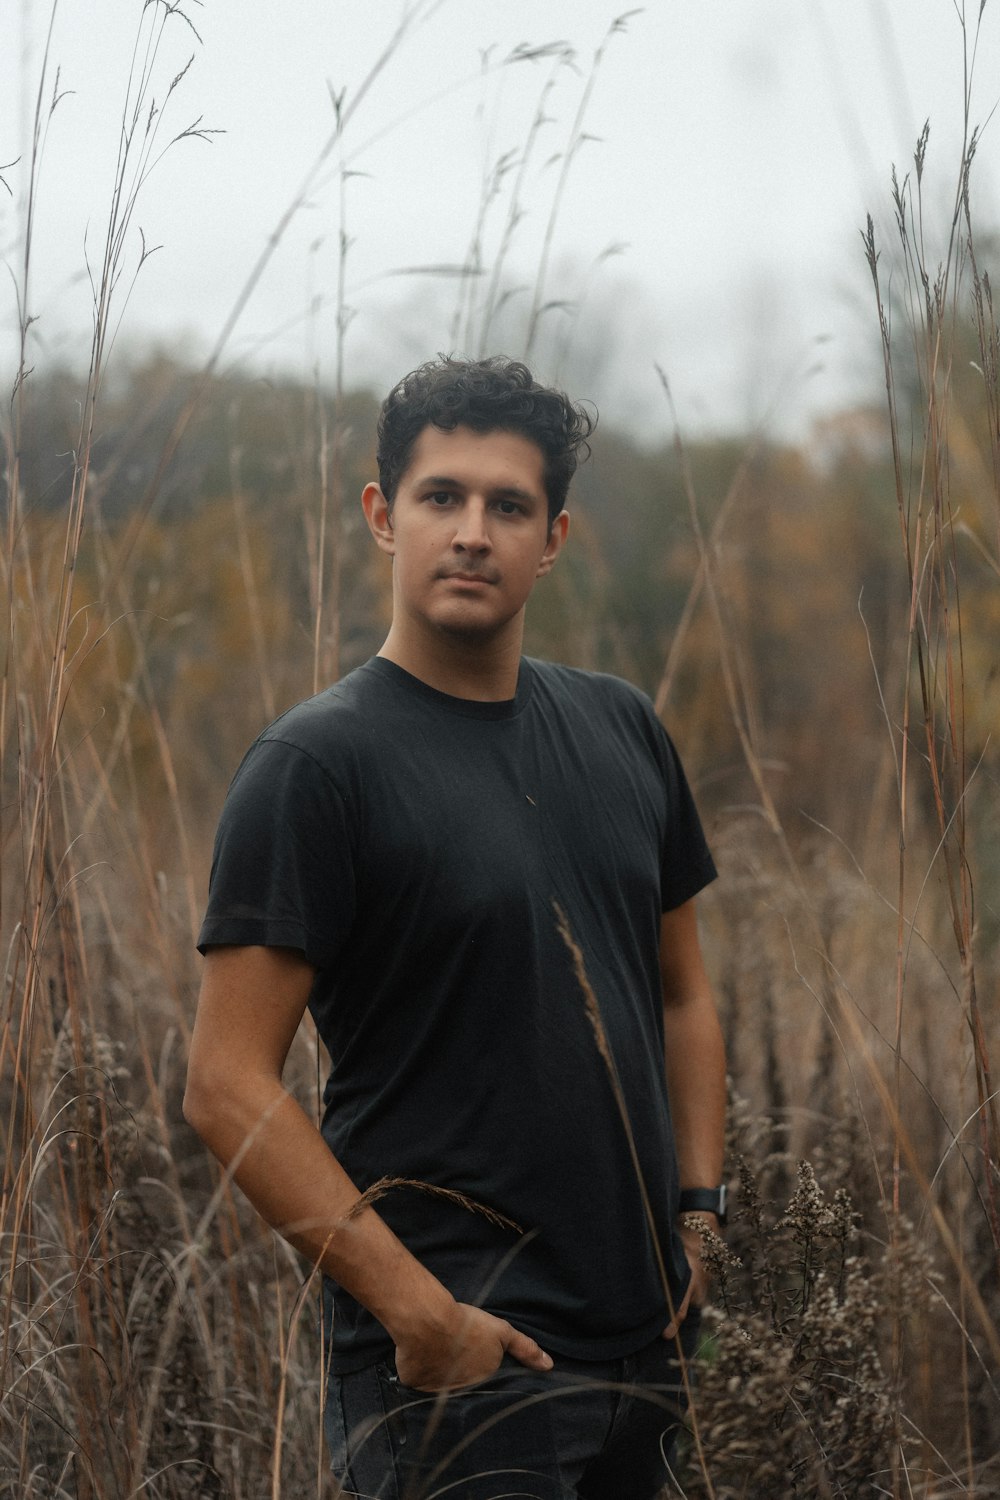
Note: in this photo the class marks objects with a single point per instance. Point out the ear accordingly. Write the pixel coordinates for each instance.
(376, 509)
(554, 545)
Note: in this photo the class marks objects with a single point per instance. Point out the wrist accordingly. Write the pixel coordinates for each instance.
(427, 1314)
(704, 1201)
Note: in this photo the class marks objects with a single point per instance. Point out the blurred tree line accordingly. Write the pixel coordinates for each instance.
(217, 590)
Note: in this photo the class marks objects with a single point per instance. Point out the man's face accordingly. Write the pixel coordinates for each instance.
(468, 531)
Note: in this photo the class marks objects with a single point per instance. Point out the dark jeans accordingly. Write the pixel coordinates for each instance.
(587, 1430)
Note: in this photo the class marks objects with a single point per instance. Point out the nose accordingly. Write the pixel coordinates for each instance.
(471, 531)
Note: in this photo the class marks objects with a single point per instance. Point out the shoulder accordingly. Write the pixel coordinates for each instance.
(339, 721)
(593, 691)
(319, 750)
(596, 708)
(312, 763)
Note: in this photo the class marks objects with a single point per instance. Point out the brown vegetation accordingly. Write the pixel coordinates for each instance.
(819, 629)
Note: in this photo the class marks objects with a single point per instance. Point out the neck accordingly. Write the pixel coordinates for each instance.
(462, 666)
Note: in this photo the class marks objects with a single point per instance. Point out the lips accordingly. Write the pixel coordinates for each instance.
(466, 577)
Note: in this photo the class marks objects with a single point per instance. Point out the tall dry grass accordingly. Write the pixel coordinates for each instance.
(155, 1338)
(865, 1342)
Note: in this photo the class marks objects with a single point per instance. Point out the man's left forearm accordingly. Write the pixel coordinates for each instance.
(694, 1052)
(695, 1061)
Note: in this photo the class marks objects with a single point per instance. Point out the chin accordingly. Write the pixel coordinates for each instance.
(468, 632)
(469, 628)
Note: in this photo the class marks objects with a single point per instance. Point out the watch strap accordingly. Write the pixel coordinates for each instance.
(704, 1200)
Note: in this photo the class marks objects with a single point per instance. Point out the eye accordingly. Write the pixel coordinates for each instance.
(509, 508)
(440, 498)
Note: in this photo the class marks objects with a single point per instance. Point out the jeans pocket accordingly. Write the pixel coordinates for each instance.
(335, 1432)
(361, 1422)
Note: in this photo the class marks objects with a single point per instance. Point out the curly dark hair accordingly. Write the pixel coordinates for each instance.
(498, 394)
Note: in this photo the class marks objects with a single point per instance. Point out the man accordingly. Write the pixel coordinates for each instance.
(479, 873)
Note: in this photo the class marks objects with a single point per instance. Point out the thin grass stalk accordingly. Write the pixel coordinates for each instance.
(742, 714)
(473, 262)
(679, 638)
(515, 212)
(345, 316)
(902, 761)
(329, 544)
(574, 142)
(302, 1301)
(282, 1387)
(254, 611)
(140, 687)
(470, 309)
(989, 353)
(970, 1466)
(593, 1010)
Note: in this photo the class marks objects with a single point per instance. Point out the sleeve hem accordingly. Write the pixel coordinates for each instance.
(237, 932)
(702, 875)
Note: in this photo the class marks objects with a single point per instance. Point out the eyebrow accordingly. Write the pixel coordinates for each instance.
(449, 482)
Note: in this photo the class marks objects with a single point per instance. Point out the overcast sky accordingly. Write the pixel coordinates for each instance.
(709, 222)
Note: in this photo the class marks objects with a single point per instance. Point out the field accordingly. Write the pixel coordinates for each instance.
(819, 627)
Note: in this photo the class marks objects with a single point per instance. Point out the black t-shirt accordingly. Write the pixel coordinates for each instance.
(415, 847)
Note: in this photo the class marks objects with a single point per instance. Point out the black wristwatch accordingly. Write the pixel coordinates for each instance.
(705, 1201)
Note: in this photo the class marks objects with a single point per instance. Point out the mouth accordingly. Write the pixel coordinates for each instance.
(469, 578)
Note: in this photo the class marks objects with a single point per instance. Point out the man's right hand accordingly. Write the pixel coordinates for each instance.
(467, 1348)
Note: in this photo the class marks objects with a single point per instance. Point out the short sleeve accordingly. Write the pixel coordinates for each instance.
(686, 865)
(283, 865)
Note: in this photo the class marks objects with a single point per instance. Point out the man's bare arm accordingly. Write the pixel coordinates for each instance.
(696, 1072)
(252, 1000)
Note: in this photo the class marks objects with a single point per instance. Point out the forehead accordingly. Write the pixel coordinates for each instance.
(495, 459)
